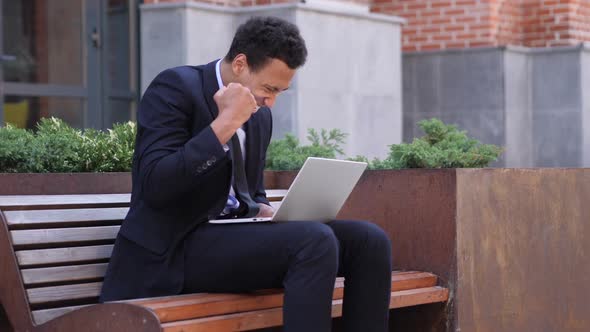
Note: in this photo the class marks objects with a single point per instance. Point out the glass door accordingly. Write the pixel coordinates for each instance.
(56, 62)
(3, 57)
(120, 63)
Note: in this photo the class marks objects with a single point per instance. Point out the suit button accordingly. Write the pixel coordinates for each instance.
(213, 159)
(209, 162)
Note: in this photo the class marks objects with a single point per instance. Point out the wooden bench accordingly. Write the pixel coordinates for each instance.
(54, 251)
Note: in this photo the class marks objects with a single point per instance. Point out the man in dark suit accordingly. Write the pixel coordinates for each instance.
(200, 153)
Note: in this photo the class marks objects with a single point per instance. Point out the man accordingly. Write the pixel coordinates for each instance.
(197, 128)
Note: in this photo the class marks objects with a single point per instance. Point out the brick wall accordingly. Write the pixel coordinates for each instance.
(442, 24)
(556, 22)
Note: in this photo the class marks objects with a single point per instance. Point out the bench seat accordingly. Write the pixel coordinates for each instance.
(55, 250)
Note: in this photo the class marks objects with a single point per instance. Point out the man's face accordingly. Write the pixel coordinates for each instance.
(268, 82)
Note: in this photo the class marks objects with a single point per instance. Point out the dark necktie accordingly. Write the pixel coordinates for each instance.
(240, 181)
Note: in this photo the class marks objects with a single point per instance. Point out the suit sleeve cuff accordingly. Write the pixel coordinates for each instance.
(204, 151)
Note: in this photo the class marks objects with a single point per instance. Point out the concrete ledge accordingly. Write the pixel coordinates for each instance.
(540, 50)
(454, 51)
(315, 7)
(585, 46)
(212, 8)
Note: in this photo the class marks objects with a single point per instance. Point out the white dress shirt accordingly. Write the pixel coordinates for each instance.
(241, 133)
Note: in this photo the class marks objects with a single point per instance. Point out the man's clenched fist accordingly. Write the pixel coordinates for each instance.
(235, 103)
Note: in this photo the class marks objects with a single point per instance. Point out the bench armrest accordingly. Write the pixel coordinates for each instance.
(115, 317)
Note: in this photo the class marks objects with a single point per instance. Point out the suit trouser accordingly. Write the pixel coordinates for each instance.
(302, 257)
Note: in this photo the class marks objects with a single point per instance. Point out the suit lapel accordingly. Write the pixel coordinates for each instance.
(210, 86)
(253, 134)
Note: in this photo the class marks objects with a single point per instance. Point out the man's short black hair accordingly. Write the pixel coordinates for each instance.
(264, 38)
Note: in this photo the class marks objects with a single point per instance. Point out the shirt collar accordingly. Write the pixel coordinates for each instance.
(218, 74)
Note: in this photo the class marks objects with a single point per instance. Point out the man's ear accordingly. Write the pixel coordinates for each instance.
(239, 64)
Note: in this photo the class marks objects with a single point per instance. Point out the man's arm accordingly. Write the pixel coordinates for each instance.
(170, 161)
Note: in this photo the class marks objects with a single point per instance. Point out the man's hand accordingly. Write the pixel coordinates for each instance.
(236, 105)
(265, 211)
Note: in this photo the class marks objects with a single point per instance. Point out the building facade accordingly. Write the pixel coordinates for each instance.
(511, 72)
(73, 59)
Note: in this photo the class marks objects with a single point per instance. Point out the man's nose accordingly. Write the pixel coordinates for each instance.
(269, 101)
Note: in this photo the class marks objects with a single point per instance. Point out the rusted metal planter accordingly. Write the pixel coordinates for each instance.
(511, 244)
(64, 183)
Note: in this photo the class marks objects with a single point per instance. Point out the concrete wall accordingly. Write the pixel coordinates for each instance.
(557, 107)
(460, 87)
(162, 39)
(352, 80)
(518, 109)
(531, 101)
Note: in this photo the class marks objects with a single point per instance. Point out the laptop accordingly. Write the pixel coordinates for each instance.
(317, 193)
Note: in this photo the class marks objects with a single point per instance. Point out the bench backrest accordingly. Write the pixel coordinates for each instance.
(61, 245)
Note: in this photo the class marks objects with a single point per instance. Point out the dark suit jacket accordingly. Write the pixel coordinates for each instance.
(181, 177)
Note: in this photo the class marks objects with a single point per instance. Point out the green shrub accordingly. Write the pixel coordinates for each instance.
(376, 163)
(288, 154)
(110, 151)
(443, 146)
(57, 147)
(122, 137)
(15, 146)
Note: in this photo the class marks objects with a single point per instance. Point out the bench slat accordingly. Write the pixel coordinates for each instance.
(399, 299)
(63, 255)
(58, 217)
(63, 273)
(64, 235)
(37, 202)
(412, 297)
(400, 280)
(411, 280)
(274, 317)
(30, 202)
(60, 293)
(196, 305)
